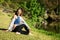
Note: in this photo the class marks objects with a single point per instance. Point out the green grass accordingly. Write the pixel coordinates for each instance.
(36, 34)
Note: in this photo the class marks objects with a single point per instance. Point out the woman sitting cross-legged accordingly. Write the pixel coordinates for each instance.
(17, 23)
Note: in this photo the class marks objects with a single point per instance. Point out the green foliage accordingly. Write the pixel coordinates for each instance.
(1, 1)
(34, 11)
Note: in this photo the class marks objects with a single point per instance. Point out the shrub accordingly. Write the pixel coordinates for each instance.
(34, 11)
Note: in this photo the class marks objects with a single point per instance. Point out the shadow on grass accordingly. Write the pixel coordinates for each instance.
(3, 29)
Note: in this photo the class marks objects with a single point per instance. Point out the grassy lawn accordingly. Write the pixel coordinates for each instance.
(36, 34)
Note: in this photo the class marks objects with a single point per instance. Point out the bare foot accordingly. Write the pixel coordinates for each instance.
(30, 34)
(17, 33)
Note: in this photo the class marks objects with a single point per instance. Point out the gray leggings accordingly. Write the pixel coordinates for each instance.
(19, 29)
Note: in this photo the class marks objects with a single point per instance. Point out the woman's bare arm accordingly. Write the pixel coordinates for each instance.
(12, 23)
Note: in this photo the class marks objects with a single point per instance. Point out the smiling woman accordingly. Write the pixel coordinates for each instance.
(17, 23)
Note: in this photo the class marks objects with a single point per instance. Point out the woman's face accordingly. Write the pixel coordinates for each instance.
(19, 12)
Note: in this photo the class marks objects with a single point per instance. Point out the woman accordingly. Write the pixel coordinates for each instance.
(18, 23)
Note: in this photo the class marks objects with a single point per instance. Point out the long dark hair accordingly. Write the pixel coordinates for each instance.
(17, 11)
